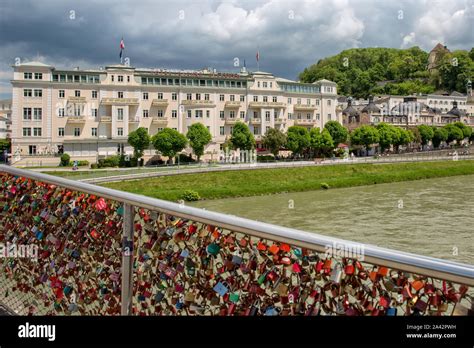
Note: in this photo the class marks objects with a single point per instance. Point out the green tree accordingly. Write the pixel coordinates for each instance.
(298, 139)
(321, 142)
(388, 135)
(366, 136)
(426, 133)
(454, 133)
(440, 135)
(241, 137)
(466, 130)
(4, 145)
(405, 137)
(337, 131)
(139, 139)
(199, 136)
(274, 140)
(169, 142)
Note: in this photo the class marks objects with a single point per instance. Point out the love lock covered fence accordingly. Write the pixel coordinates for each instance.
(71, 248)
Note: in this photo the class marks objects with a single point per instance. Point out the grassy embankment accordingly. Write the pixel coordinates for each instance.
(215, 185)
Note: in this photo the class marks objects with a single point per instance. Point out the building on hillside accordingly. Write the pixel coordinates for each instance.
(435, 56)
(5, 118)
(89, 113)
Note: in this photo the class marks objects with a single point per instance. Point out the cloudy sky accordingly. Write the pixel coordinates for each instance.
(192, 34)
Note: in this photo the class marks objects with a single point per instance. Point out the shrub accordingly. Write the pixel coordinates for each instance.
(265, 158)
(324, 186)
(190, 195)
(65, 159)
(94, 165)
(183, 158)
(112, 161)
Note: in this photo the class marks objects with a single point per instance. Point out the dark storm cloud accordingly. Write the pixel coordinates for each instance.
(196, 33)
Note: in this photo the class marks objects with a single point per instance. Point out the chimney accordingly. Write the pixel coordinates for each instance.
(371, 99)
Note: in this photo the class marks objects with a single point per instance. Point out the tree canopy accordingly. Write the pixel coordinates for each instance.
(337, 131)
(274, 140)
(199, 136)
(298, 139)
(366, 136)
(241, 137)
(169, 142)
(321, 141)
(426, 133)
(139, 139)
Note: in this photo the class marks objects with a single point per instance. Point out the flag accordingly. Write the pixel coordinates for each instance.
(122, 46)
(258, 56)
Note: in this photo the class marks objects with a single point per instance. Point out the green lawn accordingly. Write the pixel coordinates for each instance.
(214, 185)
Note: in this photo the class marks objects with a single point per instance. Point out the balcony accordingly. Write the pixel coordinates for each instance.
(119, 101)
(303, 107)
(280, 121)
(76, 100)
(198, 103)
(230, 120)
(134, 282)
(255, 121)
(159, 120)
(76, 119)
(258, 105)
(306, 122)
(134, 120)
(159, 102)
(105, 119)
(232, 104)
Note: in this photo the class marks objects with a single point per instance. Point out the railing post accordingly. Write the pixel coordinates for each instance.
(127, 259)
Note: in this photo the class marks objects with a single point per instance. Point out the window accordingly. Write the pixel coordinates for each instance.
(271, 84)
(38, 76)
(93, 131)
(231, 128)
(267, 115)
(221, 114)
(242, 114)
(265, 85)
(317, 102)
(274, 99)
(289, 101)
(27, 114)
(298, 101)
(37, 114)
(308, 101)
(329, 102)
(61, 112)
(208, 113)
(128, 78)
(198, 96)
(221, 97)
(206, 96)
(275, 114)
(308, 116)
(27, 76)
(256, 130)
(37, 132)
(27, 132)
(160, 96)
(267, 128)
(61, 93)
(258, 84)
(317, 117)
(94, 112)
(174, 96)
(60, 132)
(255, 114)
(198, 113)
(232, 114)
(242, 98)
(27, 93)
(232, 97)
(120, 114)
(112, 78)
(290, 115)
(189, 114)
(77, 110)
(329, 117)
(189, 96)
(145, 95)
(32, 149)
(160, 129)
(265, 99)
(255, 98)
(160, 113)
(77, 132)
(221, 130)
(174, 113)
(120, 78)
(145, 113)
(120, 131)
(77, 93)
(120, 95)
(94, 94)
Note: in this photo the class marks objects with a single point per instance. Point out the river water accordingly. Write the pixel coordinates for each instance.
(432, 217)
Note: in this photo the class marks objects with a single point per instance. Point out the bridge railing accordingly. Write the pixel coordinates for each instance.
(72, 248)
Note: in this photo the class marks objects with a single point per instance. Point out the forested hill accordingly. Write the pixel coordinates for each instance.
(363, 71)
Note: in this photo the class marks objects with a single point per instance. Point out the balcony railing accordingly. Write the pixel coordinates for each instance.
(257, 105)
(76, 119)
(159, 102)
(305, 121)
(199, 103)
(254, 120)
(106, 119)
(105, 252)
(159, 120)
(233, 120)
(119, 101)
(76, 100)
(232, 104)
(304, 107)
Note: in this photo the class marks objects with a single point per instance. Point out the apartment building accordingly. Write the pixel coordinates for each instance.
(89, 113)
(5, 118)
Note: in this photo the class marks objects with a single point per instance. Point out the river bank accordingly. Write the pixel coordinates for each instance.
(216, 185)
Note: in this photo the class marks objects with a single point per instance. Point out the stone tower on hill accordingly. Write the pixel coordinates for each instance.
(435, 56)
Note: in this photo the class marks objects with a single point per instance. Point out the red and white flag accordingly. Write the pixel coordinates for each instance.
(122, 45)
(258, 56)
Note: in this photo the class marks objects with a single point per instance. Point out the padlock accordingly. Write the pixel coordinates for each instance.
(336, 274)
(254, 309)
(391, 311)
(221, 288)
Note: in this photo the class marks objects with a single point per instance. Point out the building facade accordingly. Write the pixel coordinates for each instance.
(89, 113)
(5, 118)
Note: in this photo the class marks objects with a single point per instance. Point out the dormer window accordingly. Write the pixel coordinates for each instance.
(27, 76)
(38, 76)
(120, 78)
(120, 95)
(77, 93)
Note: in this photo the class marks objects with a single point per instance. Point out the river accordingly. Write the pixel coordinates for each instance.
(432, 217)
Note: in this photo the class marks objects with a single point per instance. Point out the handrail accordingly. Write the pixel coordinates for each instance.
(423, 265)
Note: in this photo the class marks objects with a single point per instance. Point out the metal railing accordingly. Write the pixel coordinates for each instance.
(155, 262)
